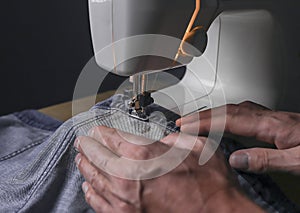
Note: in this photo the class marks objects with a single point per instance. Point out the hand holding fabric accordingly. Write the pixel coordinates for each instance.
(188, 188)
(252, 120)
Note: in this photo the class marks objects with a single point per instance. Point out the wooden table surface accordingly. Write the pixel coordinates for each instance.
(63, 111)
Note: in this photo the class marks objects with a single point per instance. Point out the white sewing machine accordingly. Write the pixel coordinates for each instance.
(230, 49)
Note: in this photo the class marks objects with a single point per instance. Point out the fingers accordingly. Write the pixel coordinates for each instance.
(95, 152)
(202, 146)
(106, 204)
(120, 158)
(217, 111)
(261, 160)
(253, 105)
(249, 120)
(97, 202)
(207, 114)
(201, 123)
(127, 145)
(184, 141)
(200, 115)
(95, 177)
(246, 119)
(204, 126)
(98, 189)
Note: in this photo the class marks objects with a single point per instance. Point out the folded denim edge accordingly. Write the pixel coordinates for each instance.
(38, 120)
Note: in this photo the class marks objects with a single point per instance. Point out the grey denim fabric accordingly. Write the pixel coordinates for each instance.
(37, 169)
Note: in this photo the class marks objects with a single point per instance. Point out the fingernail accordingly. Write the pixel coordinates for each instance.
(239, 161)
(85, 187)
(178, 122)
(91, 132)
(76, 144)
(78, 159)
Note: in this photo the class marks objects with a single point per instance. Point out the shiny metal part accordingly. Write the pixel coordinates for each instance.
(141, 99)
(138, 105)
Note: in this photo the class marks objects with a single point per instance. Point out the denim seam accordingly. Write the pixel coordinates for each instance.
(52, 162)
(25, 174)
(30, 122)
(119, 110)
(71, 134)
(257, 195)
(13, 154)
(31, 169)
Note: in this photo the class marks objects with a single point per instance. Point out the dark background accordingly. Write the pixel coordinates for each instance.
(45, 45)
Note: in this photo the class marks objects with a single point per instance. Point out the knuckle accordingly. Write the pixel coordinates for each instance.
(232, 109)
(101, 162)
(88, 197)
(118, 144)
(137, 153)
(267, 124)
(142, 153)
(247, 103)
(95, 181)
(199, 144)
(260, 162)
(105, 163)
(282, 139)
(105, 139)
(275, 129)
(259, 114)
(286, 132)
(125, 207)
(265, 161)
(252, 105)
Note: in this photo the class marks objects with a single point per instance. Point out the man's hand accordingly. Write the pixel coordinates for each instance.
(187, 188)
(251, 120)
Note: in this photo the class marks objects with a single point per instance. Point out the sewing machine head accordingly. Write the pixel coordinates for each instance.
(136, 37)
(114, 20)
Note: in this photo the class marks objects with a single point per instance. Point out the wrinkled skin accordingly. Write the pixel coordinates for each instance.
(248, 119)
(187, 188)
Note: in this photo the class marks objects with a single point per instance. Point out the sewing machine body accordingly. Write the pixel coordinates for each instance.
(243, 61)
(241, 58)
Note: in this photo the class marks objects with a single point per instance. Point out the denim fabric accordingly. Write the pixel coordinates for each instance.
(259, 187)
(37, 169)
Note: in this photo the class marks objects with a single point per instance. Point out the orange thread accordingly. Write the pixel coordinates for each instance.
(189, 28)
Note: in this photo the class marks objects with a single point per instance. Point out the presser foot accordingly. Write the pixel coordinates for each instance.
(138, 105)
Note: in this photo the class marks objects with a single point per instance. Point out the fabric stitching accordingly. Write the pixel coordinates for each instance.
(37, 124)
(27, 147)
(70, 135)
(50, 164)
(63, 147)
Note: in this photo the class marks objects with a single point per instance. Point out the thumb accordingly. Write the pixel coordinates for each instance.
(262, 160)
